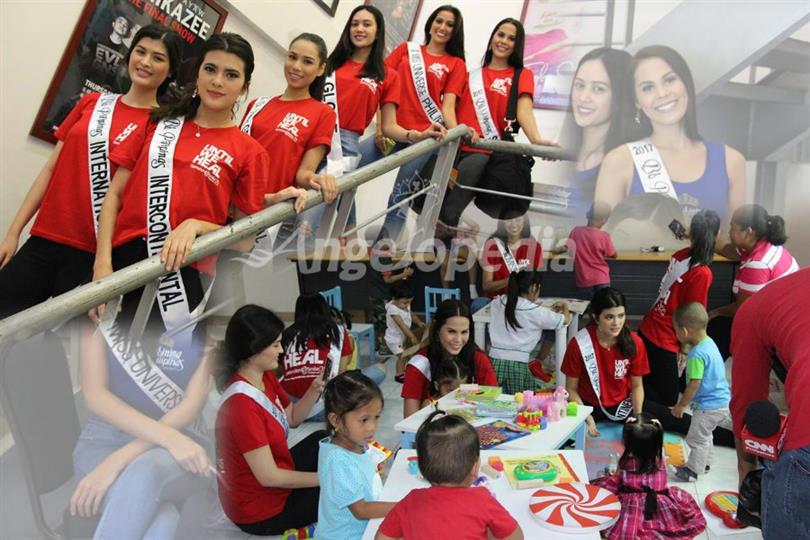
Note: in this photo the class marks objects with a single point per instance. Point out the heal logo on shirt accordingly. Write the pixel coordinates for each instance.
(289, 125)
(439, 70)
(126, 133)
(370, 83)
(297, 359)
(501, 86)
(621, 368)
(209, 161)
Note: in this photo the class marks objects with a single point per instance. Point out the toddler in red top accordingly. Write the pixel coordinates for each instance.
(650, 509)
(448, 454)
(590, 246)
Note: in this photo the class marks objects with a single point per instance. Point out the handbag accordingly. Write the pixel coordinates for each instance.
(507, 172)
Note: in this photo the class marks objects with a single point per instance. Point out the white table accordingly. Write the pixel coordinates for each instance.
(482, 317)
(400, 482)
(554, 436)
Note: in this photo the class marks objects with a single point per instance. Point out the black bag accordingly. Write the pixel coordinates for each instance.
(506, 172)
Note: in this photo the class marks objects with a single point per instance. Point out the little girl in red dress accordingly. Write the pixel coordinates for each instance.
(650, 509)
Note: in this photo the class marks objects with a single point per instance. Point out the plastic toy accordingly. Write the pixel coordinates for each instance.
(303, 533)
(529, 419)
(723, 504)
(541, 469)
(571, 409)
(413, 465)
(575, 507)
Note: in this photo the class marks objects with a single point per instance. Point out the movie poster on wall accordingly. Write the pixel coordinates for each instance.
(93, 60)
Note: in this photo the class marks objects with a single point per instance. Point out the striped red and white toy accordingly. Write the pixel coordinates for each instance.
(575, 507)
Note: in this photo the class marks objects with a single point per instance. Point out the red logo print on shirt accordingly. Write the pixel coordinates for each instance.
(500, 85)
(621, 368)
(439, 70)
(126, 133)
(209, 160)
(289, 126)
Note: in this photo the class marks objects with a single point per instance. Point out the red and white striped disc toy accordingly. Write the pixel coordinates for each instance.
(575, 507)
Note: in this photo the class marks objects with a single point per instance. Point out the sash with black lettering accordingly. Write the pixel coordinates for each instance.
(650, 168)
(241, 387)
(247, 123)
(511, 264)
(419, 76)
(98, 151)
(336, 162)
(482, 113)
(586, 347)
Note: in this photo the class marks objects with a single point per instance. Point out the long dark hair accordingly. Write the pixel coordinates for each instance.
(347, 392)
(374, 67)
(445, 372)
(519, 284)
(313, 320)
(643, 439)
(516, 58)
(454, 47)
(171, 40)
(680, 67)
(763, 224)
(702, 235)
(316, 87)
(435, 353)
(189, 102)
(606, 298)
(251, 330)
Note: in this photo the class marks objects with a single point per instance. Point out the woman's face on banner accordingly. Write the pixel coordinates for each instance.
(363, 29)
(149, 63)
(591, 94)
(660, 92)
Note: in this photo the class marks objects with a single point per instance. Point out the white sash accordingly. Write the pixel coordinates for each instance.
(419, 76)
(241, 387)
(585, 343)
(98, 151)
(336, 162)
(650, 168)
(674, 274)
(247, 123)
(482, 112)
(511, 264)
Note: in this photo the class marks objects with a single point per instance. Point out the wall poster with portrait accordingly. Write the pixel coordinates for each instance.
(400, 18)
(93, 60)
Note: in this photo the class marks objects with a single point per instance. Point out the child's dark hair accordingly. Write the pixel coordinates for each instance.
(703, 235)
(454, 47)
(643, 439)
(447, 371)
(251, 330)
(374, 68)
(401, 289)
(347, 392)
(435, 353)
(189, 100)
(313, 320)
(764, 225)
(171, 40)
(519, 284)
(316, 87)
(516, 58)
(606, 298)
(343, 318)
(447, 449)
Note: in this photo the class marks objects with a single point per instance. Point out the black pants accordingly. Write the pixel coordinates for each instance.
(470, 167)
(301, 507)
(41, 269)
(720, 331)
(662, 383)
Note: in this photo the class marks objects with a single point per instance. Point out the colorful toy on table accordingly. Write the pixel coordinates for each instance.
(413, 465)
(575, 507)
(572, 409)
(723, 504)
(493, 467)
(531, 400)
(541, 469)
(303, 533)
(499, 432)
(533, 472)
(531, 419)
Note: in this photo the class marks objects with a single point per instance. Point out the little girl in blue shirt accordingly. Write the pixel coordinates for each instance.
(348, 475)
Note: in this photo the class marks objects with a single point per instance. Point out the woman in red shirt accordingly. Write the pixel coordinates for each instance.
(70, 188)
(450, 339)
(687, 280)
(616, 389)
(265, 488)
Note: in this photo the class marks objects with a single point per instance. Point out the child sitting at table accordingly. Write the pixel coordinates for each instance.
(650, 509)
(399, 322)
(446, 378)
(448, 456)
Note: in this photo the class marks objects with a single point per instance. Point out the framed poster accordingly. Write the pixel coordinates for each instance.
(329, 6)
(558, 32)
(93, 60)
(400, 18)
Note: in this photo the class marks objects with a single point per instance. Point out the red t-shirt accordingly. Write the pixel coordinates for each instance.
(242, 426)
(427, 512)
(303, 366)
(497, 86)
(65, 213)
(615, 370)
(287, 129)
(589, 247)
(679, 286)
(446, 74)
(220, 167)
(360, 97)
(774, 321)
(417, 375)
(529, 254)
